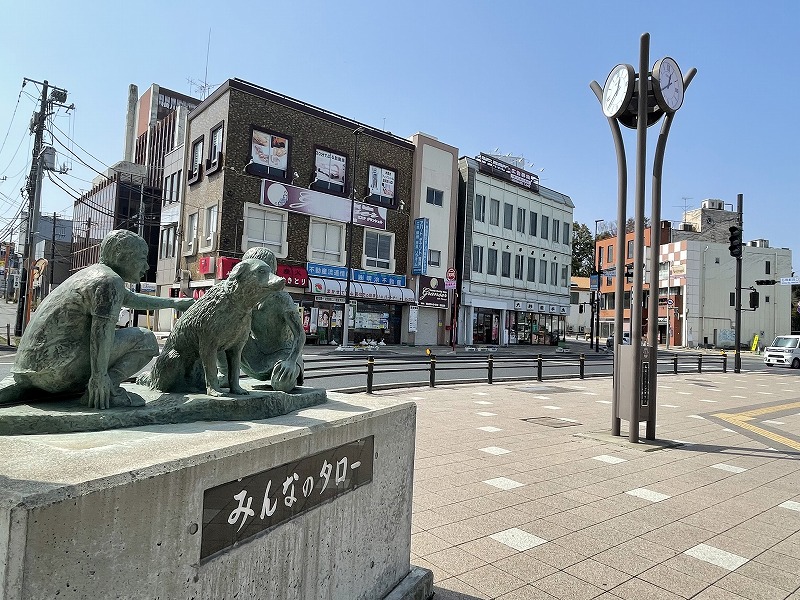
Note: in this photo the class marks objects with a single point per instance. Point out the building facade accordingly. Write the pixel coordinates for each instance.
(432, 240)
(580, 312)
(514, 253)
(263, 169)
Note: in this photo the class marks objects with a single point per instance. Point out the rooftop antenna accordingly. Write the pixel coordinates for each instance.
(685, 206)
(204, 87)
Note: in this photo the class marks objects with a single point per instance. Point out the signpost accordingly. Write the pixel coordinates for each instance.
(450, 284)
(450, 279)
(790, 280)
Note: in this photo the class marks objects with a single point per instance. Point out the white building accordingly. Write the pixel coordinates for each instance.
(514, 254)
(701, 279)
(580, 310)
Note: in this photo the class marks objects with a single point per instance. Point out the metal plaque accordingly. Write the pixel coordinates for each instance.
(236, 511)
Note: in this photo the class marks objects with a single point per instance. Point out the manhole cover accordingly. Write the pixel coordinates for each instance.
(544, 389)
(551, 422)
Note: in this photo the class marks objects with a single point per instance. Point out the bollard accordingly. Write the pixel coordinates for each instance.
(433, 371)
(724, 363)
(8, 333)
(583, 362)
(539, 368)
(490, 368)
(700, 363)
(675, 364)
(370, 372)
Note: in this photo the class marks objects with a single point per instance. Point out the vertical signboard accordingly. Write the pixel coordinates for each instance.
(421, 232)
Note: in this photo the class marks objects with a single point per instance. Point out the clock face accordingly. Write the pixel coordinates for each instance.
(618, 90)
(668, 84)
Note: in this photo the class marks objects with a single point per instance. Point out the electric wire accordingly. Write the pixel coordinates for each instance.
(16, 106)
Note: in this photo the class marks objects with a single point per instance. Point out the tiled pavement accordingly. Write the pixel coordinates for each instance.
(517, 510)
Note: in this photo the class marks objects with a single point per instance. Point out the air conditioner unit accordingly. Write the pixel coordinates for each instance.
(686, 227)
(759, 243)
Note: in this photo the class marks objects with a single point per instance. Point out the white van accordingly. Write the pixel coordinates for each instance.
(784, 351)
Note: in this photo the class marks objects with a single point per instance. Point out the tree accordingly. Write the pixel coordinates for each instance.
(582, 250)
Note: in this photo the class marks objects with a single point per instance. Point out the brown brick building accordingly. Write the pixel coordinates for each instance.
(263, 169)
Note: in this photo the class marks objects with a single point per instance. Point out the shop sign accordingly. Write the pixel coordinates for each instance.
(543, 308)
(319, 270)
(431, 292)
(678, 270)
(320, 204)
(329, 299)
(238, 510)
(413, 313)
(563, 310)
(517, 305)
(421, 233)
(553, 309)
(503, 170)
(530, 306)
(294, 276)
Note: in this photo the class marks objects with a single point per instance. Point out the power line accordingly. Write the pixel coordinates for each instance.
(16, 106)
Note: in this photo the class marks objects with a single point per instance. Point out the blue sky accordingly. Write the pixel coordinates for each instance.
(479, 75)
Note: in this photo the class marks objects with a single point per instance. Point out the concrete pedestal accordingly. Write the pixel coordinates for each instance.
(121, 514)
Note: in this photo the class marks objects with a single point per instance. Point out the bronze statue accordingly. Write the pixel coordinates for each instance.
(71, 345)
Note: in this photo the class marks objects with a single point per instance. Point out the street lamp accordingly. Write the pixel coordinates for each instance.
(346, 315)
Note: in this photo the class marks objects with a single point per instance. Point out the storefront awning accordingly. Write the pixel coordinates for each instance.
(361, 290)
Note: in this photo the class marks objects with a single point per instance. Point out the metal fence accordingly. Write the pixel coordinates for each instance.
(433, 370)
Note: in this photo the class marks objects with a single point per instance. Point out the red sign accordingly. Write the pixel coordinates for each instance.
(206, 265)
(224, 266)
(451, 274)
(294, 276)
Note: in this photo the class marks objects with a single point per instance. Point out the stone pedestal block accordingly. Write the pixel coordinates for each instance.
(212, 510)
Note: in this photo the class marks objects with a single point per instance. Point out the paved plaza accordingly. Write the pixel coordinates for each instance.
(521, 493)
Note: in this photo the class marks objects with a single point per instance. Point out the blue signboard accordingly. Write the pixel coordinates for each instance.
(594, 281)
(421, 232)
(318, 270)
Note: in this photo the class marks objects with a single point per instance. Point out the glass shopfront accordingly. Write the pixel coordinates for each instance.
(485, 326)
(377, 322)
(535, 328)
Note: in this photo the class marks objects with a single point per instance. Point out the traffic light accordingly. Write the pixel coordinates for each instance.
(580, 308)
(766, 282)
(753, 299)
(628, 273)
(736, 241)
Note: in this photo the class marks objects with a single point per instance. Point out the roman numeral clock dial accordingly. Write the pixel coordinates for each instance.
(618, 90)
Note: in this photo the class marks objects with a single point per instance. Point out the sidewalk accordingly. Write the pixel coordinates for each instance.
(557, 508)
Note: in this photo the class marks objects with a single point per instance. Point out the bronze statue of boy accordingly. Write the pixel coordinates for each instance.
(71, 345)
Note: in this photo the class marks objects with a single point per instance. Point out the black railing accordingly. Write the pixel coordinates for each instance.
(493, 369)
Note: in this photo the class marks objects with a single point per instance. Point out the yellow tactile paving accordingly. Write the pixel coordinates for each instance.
(741, 420)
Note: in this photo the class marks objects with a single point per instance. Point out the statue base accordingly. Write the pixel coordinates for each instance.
(313, 504)
(156, 408)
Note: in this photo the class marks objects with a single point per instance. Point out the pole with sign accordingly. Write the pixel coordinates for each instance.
(450, 284)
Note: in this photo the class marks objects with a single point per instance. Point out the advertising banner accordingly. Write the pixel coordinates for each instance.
(381, 182)
(330, 167)
(270, 150)
(320, 204)
(413, 313)
(320, 270)
(420, 256)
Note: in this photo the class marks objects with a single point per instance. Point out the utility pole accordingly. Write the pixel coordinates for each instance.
(737, 357)
(34, 197)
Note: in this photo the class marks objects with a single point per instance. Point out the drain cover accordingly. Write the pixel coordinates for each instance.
(551, 422)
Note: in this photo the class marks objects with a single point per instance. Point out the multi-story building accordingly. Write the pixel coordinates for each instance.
(697, 284)
(514, 253)
(263, 169)
(434, 211)
(580, 311)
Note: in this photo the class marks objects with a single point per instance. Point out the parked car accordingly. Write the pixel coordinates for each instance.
(626, 339)
(784, 352)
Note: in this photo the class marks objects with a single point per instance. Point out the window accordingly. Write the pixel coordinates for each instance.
(610, 301)
(269, 154)
(564, 275)
(733, 298)
(531, 269)
(162, 245)
(554, 273)
(381, 185)
(171, 242)
(630, 248)
(177, 186)
(545, 232)
(191, 233)
(556, 229)
(521, 220)
(533, 224)
(494, 212)
(264, 227)
(477, 259)
(378, 249)
(435, 197)
(491, 266)
(542, 271)
(326, 242)
(508, 216)
(479, 211)
(215, 149)
(330, 171)
(505, 266)
(610, 254)
(434, 258)
(197, 157)
(574, 298)
(766, 270)
(210, 224)
(565, 236)
(766, 299)
(519, 262)
(167, 191)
